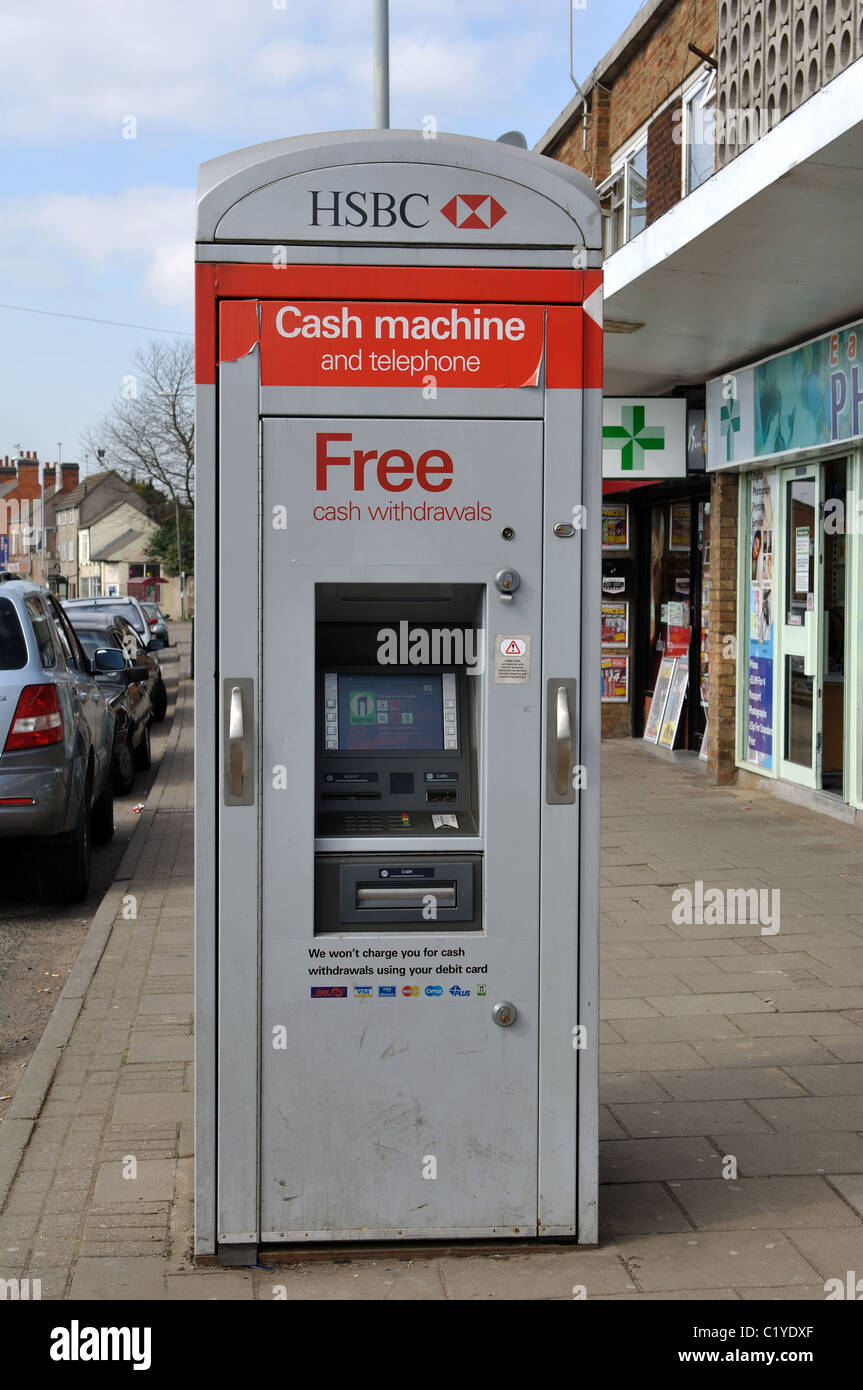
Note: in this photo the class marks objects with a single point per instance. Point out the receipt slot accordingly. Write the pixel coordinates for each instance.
(399, 354)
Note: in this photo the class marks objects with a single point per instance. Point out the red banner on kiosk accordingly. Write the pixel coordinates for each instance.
(332, 343)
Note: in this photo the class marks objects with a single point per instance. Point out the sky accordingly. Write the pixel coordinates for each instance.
(110, 106)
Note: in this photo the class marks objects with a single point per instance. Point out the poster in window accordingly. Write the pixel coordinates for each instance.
(674, 704)
(615, 624)
(615, 679)
(660, 696)
(759, 668)
(615, 528)
(680, 527)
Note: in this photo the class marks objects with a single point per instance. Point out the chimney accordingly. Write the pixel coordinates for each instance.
(7, 471)
(28, 475)
(69, 472)
(49, 477)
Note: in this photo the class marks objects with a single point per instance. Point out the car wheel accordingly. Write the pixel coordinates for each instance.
(143, 757)
(103, 813)
(160, 701)
(70, 861)
(124, 768)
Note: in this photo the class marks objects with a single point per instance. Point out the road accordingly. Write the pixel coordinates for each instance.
(39, 941)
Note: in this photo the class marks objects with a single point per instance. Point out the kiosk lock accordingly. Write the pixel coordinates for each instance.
(506, 582)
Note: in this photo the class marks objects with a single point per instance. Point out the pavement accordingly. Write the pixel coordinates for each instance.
(731, 1056)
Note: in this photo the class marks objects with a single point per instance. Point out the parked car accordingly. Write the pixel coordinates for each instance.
(126, 688)
(57, 736)
(124, 605)
(138, 640)
(140, 655)
(157, 621)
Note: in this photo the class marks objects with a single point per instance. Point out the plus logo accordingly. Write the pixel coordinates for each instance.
(632, 437)
(476, 211)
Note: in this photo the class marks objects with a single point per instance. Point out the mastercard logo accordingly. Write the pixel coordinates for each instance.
(409, 991)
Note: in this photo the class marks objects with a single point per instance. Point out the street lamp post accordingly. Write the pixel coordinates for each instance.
(180, 574)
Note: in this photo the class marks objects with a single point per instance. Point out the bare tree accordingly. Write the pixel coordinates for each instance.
(149, 433)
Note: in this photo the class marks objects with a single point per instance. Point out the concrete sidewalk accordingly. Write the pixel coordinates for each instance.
(723, 1049)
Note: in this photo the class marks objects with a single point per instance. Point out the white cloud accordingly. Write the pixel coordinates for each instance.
(146, 234)
(213, 66)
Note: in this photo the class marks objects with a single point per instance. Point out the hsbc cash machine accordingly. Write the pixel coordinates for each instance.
(399, 356)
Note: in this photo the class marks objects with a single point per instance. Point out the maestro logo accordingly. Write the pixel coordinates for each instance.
(474, 211)
(410, 991)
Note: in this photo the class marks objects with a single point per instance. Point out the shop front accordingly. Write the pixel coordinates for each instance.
(655, 567)
(791, 425)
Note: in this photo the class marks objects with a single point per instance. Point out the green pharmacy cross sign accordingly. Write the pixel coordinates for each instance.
(729, 424)
(632, 437)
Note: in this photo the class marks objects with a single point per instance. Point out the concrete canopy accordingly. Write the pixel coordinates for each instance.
(764, 255)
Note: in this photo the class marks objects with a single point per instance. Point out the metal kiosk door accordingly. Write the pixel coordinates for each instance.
(427, 1077)
(401, 1070)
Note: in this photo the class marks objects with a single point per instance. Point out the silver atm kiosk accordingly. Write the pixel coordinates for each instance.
(399, 366)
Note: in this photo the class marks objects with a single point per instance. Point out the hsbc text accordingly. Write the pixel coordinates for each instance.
(336, 209)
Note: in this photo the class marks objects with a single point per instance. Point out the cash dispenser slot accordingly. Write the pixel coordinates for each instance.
(372, 896)
(362, 892)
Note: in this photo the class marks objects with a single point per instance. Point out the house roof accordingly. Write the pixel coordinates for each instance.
(127, 546)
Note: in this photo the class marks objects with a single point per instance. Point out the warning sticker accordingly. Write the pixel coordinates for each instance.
(511, 660)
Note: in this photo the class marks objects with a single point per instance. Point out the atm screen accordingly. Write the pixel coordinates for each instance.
(389, 712)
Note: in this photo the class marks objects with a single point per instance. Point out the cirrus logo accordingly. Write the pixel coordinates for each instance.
(434, 990)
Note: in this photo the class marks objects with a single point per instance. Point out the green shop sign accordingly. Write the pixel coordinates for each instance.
(801, 399)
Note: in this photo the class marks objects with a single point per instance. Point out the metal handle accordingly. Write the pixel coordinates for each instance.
(236, 742)
(563, 739)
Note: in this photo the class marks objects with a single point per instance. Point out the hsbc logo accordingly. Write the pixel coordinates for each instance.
(477, 211)
(368, 209)
(379, 209)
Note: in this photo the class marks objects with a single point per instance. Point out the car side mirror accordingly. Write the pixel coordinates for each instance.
(108, 659)
(137, 673)
(154, 645)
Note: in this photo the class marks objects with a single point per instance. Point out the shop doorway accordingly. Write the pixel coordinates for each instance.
(811, 594)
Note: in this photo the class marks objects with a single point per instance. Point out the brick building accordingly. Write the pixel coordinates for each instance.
(726, 141)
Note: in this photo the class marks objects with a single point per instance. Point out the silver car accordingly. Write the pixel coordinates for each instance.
(56, 736)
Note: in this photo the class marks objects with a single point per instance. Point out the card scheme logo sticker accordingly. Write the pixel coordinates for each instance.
(473, 211)
(329, 991)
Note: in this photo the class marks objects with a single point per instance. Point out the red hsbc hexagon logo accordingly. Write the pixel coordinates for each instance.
(478, 211)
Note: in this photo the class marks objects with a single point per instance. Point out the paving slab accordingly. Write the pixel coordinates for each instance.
(132, 1279)
(639, 1209)
(656, 1160)
(770, 1155)
(678, 1118)
(761, 1259)
(764, 1203)
(728, 1083)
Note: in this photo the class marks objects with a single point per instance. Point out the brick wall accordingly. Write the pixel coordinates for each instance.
(722, 697)
(617, 719)
(664, 163)
(648, 79)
